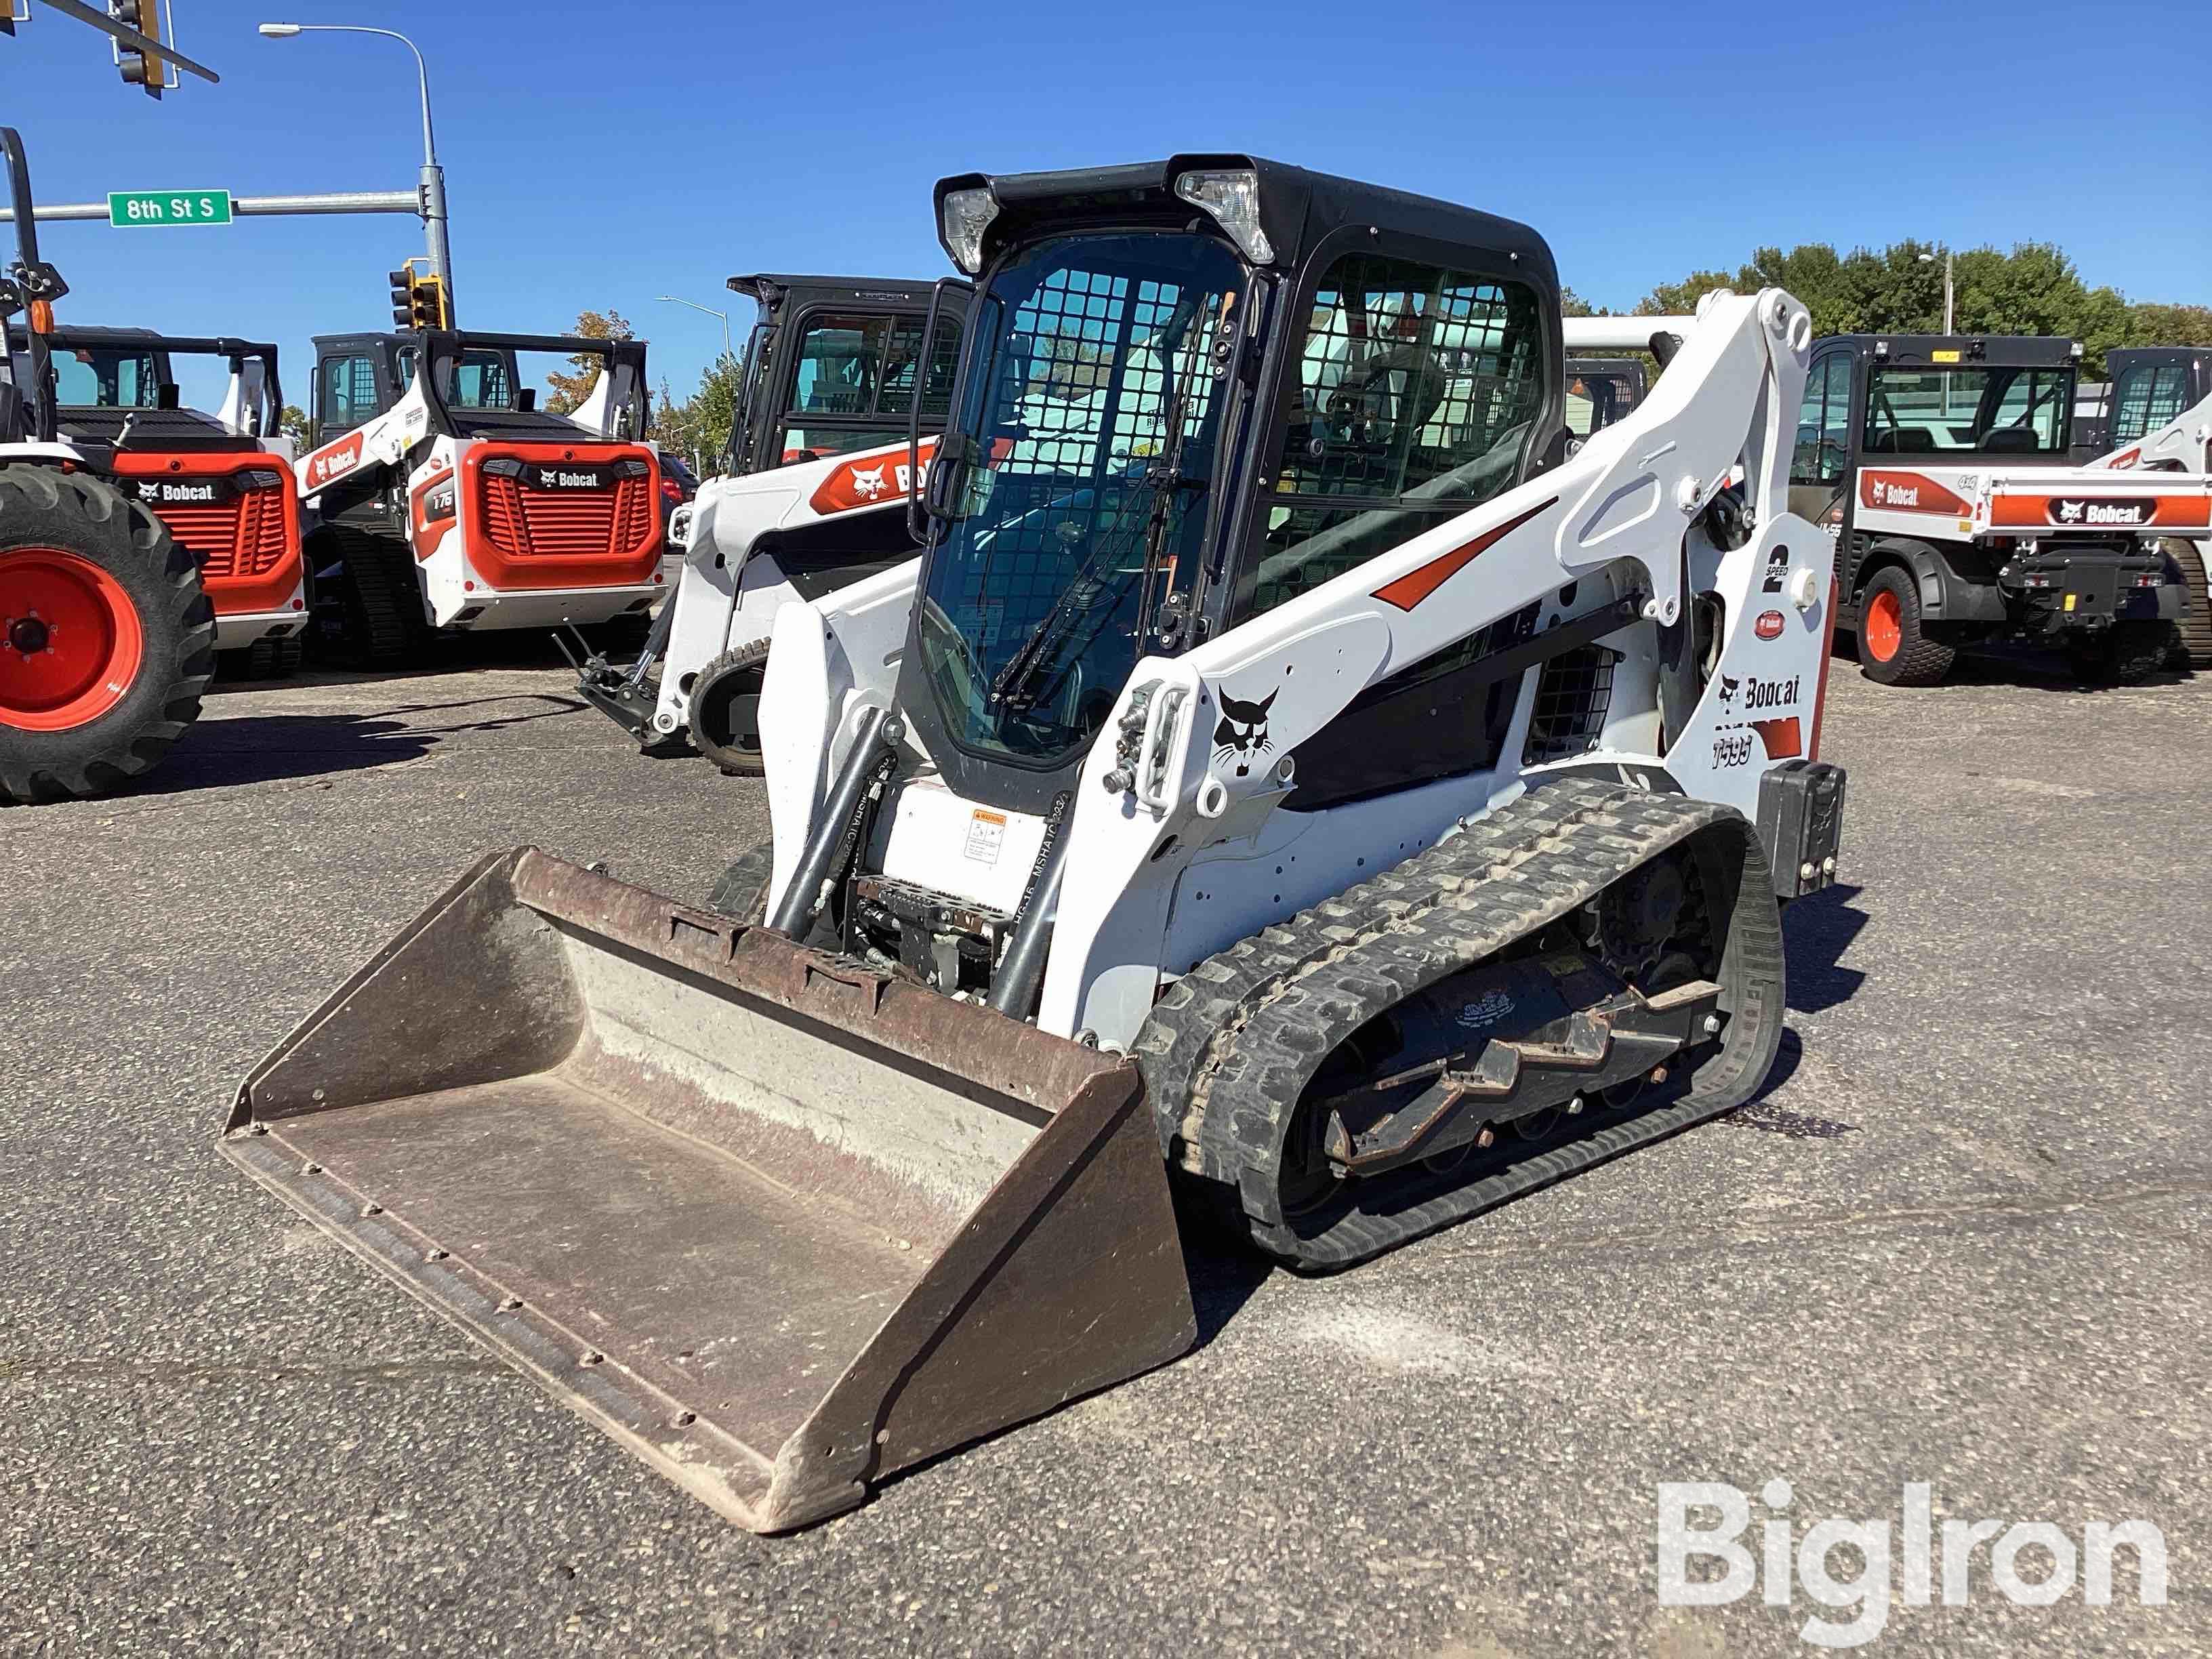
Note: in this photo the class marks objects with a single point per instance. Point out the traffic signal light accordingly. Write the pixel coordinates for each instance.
(418, 298)
(428, 302)
(138, 68)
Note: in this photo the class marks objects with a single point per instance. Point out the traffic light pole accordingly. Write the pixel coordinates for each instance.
(434, 226)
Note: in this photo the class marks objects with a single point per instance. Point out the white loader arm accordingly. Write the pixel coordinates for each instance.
(1617, 516)
(383, 442)
(2184, 441)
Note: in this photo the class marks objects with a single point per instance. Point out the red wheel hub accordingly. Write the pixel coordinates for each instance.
(1885, 625)
(70, 644)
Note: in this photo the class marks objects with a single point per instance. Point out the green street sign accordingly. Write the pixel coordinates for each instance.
(168, 207)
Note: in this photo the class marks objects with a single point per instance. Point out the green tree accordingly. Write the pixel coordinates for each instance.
(292, 423)
(567, 391)
(700, 425)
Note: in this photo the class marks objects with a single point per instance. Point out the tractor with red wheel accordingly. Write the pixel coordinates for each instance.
(107, 636)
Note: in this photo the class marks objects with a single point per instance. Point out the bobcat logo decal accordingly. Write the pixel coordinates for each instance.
(1242, 732)
(1729, 684)
(869, 484)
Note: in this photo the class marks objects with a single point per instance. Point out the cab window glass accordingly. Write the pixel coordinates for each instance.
(348, 389)
(1824, 424)
(89, 377)
(1414, 397)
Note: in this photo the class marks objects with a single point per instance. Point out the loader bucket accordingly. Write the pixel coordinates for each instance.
(778, 1226)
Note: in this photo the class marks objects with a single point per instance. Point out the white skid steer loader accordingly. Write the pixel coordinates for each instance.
(813, 497)
(2160, 419)
(1289, 774)
(440, 499)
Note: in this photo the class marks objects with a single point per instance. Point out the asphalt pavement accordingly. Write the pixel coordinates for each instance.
(1961, 1241)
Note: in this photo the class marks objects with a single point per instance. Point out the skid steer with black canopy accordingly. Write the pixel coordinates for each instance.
(1287, 769)
(441, 499)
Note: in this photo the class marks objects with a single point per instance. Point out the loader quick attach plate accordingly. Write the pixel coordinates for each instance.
(780, 1226)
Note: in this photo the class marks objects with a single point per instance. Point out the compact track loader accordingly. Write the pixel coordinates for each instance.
(812, 497)
(221, 480)
(2158, 413)
(1938, 463)
(440, 497)
(1288, 771)
(107, 635)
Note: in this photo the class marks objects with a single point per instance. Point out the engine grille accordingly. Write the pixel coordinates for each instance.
(240, 539)
(568, 523)
(1572, 697)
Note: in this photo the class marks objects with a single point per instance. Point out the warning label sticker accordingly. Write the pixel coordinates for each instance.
(986, 834)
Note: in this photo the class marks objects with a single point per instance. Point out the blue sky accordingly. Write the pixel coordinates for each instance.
(601, 154)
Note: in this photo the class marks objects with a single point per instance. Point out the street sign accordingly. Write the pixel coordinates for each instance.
(168, 207)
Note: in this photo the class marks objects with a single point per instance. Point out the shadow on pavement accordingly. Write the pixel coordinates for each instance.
(274, 748)
(1816, 930)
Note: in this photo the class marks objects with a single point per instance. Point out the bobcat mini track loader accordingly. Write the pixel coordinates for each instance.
(813, 497)
(1939, 465)
(1287, 771)
(107, 636)
(447, 500)
(2159, 419)
(221, 480)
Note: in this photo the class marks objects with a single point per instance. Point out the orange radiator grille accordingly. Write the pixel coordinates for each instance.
(524, 523)
(244, 538)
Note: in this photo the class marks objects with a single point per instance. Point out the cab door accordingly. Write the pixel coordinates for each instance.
(1825, 455)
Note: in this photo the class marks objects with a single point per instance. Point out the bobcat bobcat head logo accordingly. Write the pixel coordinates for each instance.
(1728, 685)
(870, 485)
(1242, 732)
(2068, 512)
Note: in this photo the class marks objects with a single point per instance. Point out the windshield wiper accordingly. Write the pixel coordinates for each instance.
(1164, 476)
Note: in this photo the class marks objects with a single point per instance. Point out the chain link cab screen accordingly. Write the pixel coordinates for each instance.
(2145, 399)
(1415, 397)
(1094, 401)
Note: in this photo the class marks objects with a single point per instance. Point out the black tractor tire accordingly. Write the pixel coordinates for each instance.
(368, 598)
(1894, 649)
(2126, 653)
(741, 892)
(2193, 649)
(113, 553)
(726, 710)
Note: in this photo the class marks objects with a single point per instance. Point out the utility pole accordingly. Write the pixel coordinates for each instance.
(434, 176)
(1949, 263)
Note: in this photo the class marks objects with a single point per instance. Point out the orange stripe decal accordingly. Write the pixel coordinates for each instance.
(1410, 589)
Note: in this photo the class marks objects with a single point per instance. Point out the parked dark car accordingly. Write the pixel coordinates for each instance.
(678, 484)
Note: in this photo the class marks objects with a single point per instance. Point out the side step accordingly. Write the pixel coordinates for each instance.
(778, 1226)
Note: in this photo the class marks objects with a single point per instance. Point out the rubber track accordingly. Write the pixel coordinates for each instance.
(384, 624)
(1229, 1049)
(2197, 626)
(734, 762)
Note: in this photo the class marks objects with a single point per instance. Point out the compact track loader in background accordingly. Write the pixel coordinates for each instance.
(2158, 414)
(812, 497)
(106, 636)
(221, 480)
(1938, 463)
(1287, 770)
(446, 501)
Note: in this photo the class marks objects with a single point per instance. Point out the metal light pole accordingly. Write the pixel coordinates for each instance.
(434, 176)
(671, 300)
(1929, 259)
